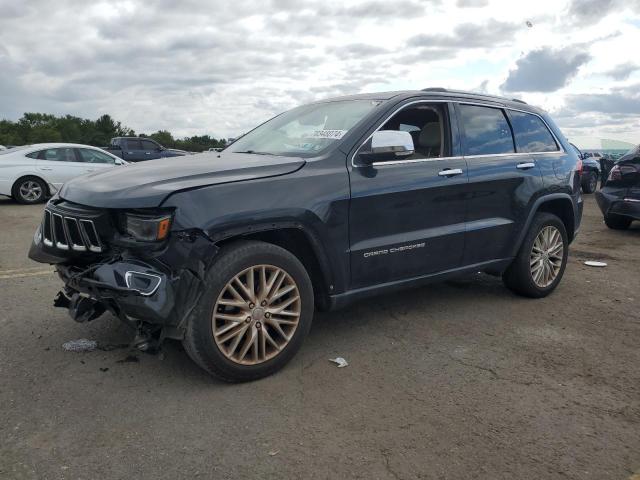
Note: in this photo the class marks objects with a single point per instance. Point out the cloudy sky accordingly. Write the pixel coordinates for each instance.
(220, 67)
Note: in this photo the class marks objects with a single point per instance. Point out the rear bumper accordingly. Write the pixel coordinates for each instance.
(616, 202)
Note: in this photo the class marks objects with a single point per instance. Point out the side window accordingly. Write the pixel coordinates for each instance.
(134, 145)
(94, 156)
(58, 155)
(486, 131)
(34, 154)
(428, 125)
(147, 145)
(532, 135)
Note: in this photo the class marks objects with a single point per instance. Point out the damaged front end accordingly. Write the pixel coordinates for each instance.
(140, 266)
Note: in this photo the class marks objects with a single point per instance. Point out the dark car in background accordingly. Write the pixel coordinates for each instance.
(590, 170)
(619, 197)
(138, 149)
(321, 206)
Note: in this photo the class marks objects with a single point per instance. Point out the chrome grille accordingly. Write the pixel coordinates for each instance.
(63, 232)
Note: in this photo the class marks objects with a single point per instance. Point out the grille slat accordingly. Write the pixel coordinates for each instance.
(65, 232)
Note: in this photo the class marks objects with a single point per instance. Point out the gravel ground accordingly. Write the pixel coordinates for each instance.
(458, 380)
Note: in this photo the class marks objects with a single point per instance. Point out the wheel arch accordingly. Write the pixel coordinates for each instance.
(558, 204)
(299, 241)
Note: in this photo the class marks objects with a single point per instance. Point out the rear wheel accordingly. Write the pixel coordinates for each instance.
(617, 222)
(29, 190)
(255, 312)
(590, 184)
(538, 268)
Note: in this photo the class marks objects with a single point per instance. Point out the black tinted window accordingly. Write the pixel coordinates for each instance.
(532, 135)
(486, 131)
(147, 145)
(134, 145)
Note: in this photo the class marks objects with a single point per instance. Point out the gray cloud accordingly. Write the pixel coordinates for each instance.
(623, 71)
(545, 70)
(494, 33)
(589, 12)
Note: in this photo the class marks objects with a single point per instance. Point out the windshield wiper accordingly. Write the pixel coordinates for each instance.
(253, 152)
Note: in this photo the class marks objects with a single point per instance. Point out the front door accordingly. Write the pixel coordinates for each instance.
(407, 216)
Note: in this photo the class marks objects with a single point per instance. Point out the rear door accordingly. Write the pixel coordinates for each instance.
(407, 216)
(58, 165)
(502, 182)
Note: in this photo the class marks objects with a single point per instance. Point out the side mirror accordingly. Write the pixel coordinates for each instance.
(388, 145)
(120, 162)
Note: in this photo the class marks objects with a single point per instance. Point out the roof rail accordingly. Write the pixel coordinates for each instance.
(440, 89)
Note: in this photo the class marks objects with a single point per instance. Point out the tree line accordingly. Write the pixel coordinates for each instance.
(44, 128)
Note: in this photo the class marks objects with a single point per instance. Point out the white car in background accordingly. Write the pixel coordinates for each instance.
(32, 173)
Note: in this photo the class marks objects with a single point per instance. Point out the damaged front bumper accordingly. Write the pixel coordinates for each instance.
(154, 291)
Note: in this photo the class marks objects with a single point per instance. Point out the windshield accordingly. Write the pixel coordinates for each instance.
(304, 131)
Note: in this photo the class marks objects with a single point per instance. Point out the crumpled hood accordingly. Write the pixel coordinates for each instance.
(147, 184)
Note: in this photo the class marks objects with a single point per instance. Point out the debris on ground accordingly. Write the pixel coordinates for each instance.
(341, 362)
(80, 345)
(104, 369)
(274, 453)
(129, 359)
(593, 263)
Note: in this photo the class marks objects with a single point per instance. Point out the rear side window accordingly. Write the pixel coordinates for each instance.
(134, 145)
(486, 131)
(58, 155)
(532, 135)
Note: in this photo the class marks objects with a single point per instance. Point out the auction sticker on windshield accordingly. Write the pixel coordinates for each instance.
(331, 134)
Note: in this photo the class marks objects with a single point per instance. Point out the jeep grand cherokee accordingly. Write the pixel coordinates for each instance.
(325, 204)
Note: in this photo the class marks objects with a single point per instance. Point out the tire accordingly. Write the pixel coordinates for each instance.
(617, 222)
(29, 190)
(218, 357)
(520, 275)
(590, 183)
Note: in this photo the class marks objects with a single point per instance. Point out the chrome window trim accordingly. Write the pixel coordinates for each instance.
(560, 151)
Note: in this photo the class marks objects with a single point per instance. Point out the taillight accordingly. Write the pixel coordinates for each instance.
(579, 166)
(615, 174)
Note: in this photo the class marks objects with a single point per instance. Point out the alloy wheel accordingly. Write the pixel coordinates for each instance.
(546, 257)
(593, 182)
(256, 314)
(30, 191)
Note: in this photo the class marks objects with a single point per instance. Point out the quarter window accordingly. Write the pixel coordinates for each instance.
(486, 131)
(532, 135)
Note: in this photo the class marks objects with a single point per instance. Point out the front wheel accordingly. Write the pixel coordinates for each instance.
(255, 311)
(538, 268)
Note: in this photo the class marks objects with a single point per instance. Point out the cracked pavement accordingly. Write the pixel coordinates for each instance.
(455, 380)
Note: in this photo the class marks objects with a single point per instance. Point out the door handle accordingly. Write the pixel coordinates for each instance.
(450, 172)
(46, 168)
(525, 165)
(91, 169)
(147, 153)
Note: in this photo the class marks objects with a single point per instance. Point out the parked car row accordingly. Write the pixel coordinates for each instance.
(32, 173)
(136, 149)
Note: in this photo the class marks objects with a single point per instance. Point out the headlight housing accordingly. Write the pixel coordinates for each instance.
(147, 228)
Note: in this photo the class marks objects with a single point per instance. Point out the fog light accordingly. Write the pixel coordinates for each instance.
(144, 283)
